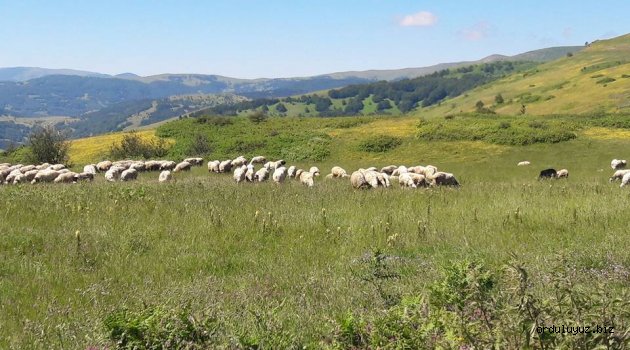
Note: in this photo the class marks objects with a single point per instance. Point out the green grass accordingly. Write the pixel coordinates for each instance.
(286, 276)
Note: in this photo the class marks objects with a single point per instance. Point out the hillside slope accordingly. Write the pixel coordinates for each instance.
(596, 79)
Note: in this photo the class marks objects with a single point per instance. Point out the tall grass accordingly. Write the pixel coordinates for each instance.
(275, 266)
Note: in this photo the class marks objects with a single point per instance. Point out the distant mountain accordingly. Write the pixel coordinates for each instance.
(28, 73)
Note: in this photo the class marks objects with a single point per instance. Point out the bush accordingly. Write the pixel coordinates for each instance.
(48, 145)
(217, 121)
(200, 146)
(133, 146)
(606, 80)
(499, 130)
(381, 143)
(257, 117)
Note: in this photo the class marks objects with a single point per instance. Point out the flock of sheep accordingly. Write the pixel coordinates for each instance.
(244, 170)
(618, 165)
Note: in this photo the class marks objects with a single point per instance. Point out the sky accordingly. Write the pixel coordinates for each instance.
(274, 39)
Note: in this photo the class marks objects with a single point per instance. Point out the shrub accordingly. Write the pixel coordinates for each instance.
(48, 145)
(606, 80)
(381, 143)
(200, 145)
(257, 117)
(133, 146)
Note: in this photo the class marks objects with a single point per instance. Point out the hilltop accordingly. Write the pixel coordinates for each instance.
(596, 79)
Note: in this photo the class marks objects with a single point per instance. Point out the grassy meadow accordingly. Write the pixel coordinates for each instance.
(205, 263)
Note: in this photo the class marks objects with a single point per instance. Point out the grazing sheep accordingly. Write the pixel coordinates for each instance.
(182, 166)
(298, 173)
(625, 180)
(19, 179)
(165, 176)
(104, 165)
(42, 166)
(400, 170)
(338, 172)
(383, 179)
(375, 179)
(30, 175)
(523, 163)
(279, 175)
(45, 176)
(26, 168)
(357, 179)
(213, 166)
(113, 173)
(167, 165)
(258, 160)
(329, 177)
(57, 167)
(238, 161)
(66, 178)
(249, 174)
(562, 174)
(618, 175)
(196, 161)
(314, 170)
(261, 175)
(430, 170)
(240, 173)
(617, 164)
(291, 171)
(225, 166)
(271, 166)
(372, 168)
(406, 181)
(129, 174)
(90, 168)
(389, 169)
(152, 165)
(306, 178)
(418, 169)
(138, 165)
(547, 174)
(443, 179)
(85, 176)
(12, 175)
(418, 179)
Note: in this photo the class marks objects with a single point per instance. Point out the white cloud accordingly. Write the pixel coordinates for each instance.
(420, 19)
(476, 32)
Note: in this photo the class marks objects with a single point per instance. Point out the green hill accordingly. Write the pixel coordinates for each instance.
(596, 79)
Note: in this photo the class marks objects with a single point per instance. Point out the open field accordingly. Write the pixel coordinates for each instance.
(268, 266)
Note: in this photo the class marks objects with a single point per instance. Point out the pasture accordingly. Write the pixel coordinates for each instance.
(205, 262)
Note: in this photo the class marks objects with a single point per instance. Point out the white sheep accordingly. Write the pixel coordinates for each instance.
(258, 160)
(30, 175)
(617, 164)
(113, 173)
(419, 180)
(57, 167)
(618, 175)
(104, 165)
(85, 176)
(182, 166)
(152, 165)
(138, 165)
(12, 175)
(213, 166)
(406, 181)
(195, 161)
(625, 180)
(70, 177)
(167, 165)
(306, 178)
(314, 170)
(562, 174)
(249, 174)
(357, 179)
(26, 168)
(19, 179)
(441, 178)
(261, 175)
(524, 163)
(338, 172)
(291, 171)
(42, 166)
(46, 175)
(165, 176)
(400, 170)
(90, 168)
(225, 166)
(240, 173)
(279, 175)
(129, 174)
(238, 161)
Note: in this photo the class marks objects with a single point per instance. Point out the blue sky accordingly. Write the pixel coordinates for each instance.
(273, 38)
